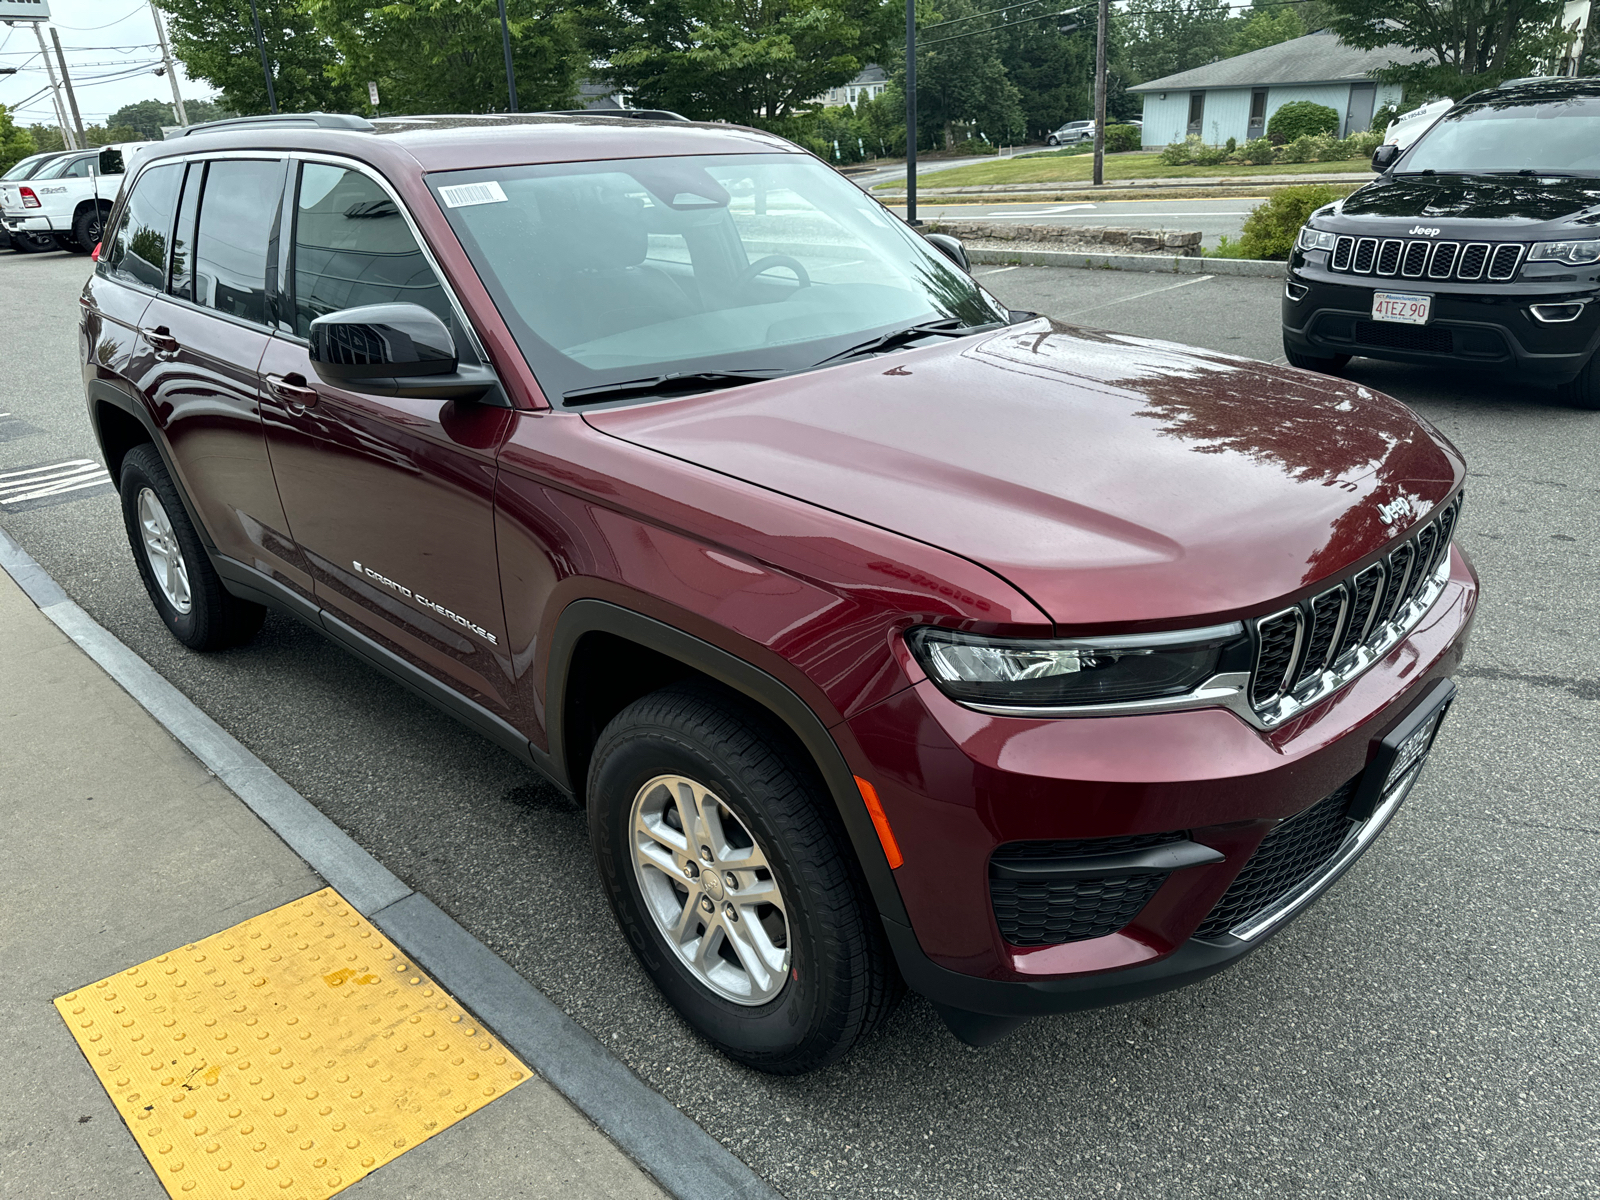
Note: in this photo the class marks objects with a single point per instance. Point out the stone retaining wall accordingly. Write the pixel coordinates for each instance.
(1074, 237)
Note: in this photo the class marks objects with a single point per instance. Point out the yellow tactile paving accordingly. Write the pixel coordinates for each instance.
(286, 1057)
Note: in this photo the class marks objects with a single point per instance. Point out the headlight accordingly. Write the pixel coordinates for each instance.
(1572, 253)
(1059, 672)
(1316, 239)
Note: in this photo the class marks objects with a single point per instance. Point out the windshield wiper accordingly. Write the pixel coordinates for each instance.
(672, 384)
(949, 327)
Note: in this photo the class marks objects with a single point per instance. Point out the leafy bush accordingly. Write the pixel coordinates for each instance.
(1362, 143)
(1209, 156)
(1177, 154)
(1233, 144)
(975, 146)
(1121, 138)
(1301, 118)
(1302, 150)
(1257, 152)
(1270, 229)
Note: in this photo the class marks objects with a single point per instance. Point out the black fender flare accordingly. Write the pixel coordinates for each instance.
(601, 616)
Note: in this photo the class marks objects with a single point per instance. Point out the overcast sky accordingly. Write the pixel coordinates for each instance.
(111, 50)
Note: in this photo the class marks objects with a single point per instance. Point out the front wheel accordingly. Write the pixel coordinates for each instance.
(172, 561)
(1584, 391)
(1330, 365)
(726, 867)
(86, 230)
(1052, 141)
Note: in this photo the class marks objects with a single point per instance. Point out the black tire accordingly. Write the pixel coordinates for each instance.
(88, 227)
(1331, 365)
(32, 243)
(65, 241)
(1052, 141)
(841, 981)
(215, 619)
(1584, 391)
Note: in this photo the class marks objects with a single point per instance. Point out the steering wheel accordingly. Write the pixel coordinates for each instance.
(748, 275)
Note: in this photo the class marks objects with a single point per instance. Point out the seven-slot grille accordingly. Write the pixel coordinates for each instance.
(1418, 259)
(1298, 647)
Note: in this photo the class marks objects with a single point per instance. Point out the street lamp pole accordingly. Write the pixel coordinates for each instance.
(511, 75)
(911, 112)
(1100, 95)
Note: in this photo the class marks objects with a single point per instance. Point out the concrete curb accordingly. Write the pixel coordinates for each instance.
(684, 1159)
(1206, 182)
(1161, 263)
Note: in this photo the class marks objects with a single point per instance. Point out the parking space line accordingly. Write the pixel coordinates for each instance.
(1141, 295)
(996, 271)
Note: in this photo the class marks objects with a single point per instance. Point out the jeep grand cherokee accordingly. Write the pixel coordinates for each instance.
(884, 634)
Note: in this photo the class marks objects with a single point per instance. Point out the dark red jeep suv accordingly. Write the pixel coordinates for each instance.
(887, 636)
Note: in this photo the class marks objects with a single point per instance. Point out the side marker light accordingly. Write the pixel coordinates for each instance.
(880, 822)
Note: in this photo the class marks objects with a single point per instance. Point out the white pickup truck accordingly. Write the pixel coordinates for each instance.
(70, 198)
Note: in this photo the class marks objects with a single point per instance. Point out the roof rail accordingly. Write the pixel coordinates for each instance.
(637, 114)
(319, 120)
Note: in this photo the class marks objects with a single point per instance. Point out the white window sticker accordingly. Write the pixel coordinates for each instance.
(459, 195)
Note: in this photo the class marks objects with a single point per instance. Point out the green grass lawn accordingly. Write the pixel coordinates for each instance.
(1079, 168)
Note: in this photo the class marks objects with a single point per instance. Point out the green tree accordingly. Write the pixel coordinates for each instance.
(1163, 37)
(149, 116)
(46, 137)
(1471, 43)
(963, 88)
(447, 55)
(217, 44)
(1266, 27)
(15, 144)
(106, 135)
(1053, 72)
(746, 61)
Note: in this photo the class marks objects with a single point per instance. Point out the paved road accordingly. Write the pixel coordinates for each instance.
(1212, 218)
(1427, 1030)
(928, 166)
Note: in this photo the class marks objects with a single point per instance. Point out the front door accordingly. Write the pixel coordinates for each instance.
(1359, 113)
(391, 500)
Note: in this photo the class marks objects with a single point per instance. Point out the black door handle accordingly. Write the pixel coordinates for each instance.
(161, 338)
(292, 389)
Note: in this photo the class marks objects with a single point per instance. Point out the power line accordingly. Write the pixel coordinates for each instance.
(107, 25)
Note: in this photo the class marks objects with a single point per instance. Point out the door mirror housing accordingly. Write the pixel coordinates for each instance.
(951, 248)
(1384, 157)
(381, 341)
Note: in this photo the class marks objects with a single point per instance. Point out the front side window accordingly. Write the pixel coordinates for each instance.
(1509, 134)
(353, 247)
(238, 210)
(137, 252)
(607, 272)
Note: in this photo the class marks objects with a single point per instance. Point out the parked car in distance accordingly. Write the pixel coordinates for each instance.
(886, 636)
(1071, 134)
(1475, 247)
(67, 201)
(27, 168)
(1408, 127)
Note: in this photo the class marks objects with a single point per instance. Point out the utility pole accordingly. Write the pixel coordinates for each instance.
(911, 112)
(55, 91)
(1100, 95)
(261, 45)
(172, 72)
(77, 120)
(511, 75)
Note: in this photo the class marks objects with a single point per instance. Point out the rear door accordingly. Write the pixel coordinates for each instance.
(197, 361)
(390, 499)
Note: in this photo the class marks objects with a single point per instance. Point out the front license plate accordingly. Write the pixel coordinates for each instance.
(1402, 750)
(1405, 308)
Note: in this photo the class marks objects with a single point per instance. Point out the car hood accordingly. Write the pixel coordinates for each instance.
(1477, 197)
(1115, 480)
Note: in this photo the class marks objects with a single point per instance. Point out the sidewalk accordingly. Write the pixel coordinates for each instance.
(119, 846)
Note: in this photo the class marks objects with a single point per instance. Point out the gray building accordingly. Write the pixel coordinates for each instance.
(1236, 97)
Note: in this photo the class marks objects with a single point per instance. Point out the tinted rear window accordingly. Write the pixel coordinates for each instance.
(138, 251)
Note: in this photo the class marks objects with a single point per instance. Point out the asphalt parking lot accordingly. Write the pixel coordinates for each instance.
(1427, 1029)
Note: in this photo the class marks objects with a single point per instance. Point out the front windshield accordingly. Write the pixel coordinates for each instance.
(1554, 136)
(619, 270)
(25, 168)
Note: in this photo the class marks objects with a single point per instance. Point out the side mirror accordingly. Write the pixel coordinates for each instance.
(394, 349)
(1384, 156)
(951, 248)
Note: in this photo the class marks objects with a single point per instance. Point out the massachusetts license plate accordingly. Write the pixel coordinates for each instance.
(1406, 308)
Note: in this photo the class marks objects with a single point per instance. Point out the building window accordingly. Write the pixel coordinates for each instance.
(1197, 113)
(1258, 114)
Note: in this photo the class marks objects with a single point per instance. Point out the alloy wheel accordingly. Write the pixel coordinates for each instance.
(163, 552)
(710, 890)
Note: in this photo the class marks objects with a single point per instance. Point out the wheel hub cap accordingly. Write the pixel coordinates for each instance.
(710, 890)
(162, 552)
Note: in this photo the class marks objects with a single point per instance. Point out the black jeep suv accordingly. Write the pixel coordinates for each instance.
(1479, 245)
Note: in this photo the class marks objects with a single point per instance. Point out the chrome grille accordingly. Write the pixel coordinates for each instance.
(1306, 652)
(1419, 258)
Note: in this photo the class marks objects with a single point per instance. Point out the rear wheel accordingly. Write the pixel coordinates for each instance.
(63, 241)
(32, 243)
(1584, 391)
(182, 583)
(88, 227)
(726, 867)
(1330, 365)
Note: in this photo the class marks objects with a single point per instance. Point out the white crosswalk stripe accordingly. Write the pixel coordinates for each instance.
(55, 479)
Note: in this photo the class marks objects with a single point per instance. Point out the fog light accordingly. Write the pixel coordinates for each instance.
(1557, 314)
(1295, 291)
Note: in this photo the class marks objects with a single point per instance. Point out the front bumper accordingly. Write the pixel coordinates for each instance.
(957, 784)
(1485, 325)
